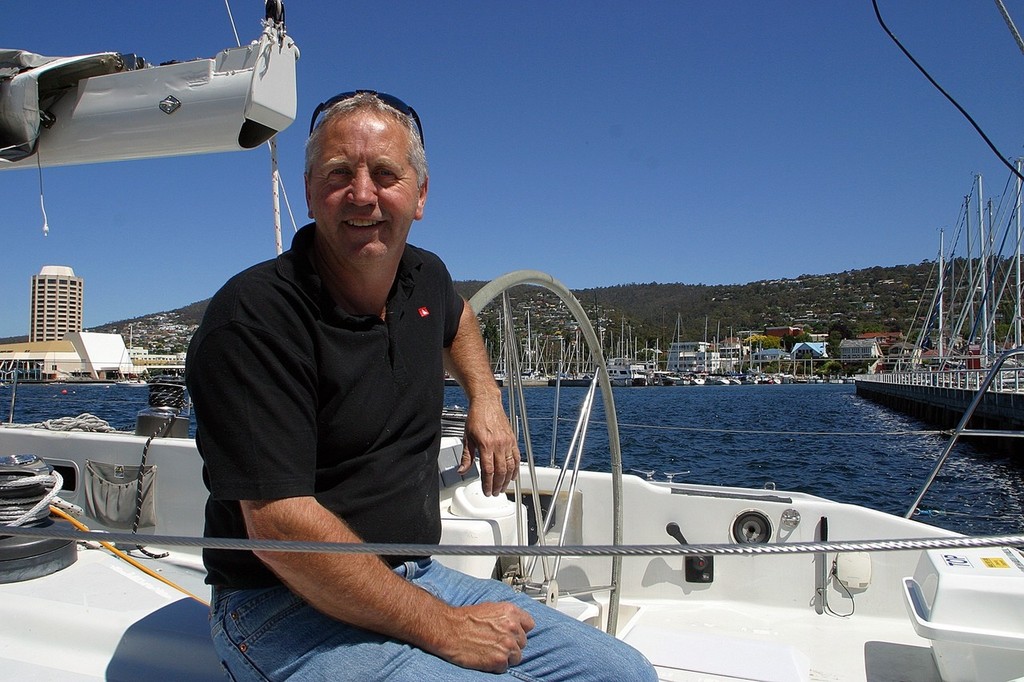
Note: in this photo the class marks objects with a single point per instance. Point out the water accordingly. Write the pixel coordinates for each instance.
(819, 439)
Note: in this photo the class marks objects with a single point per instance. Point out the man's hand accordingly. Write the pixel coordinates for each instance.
(489, 436)
(489, 636)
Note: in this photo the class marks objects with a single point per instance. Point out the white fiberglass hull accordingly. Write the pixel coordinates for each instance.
(771, 607)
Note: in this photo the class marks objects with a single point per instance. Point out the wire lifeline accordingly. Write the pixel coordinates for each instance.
(124, 556)
(527, 550)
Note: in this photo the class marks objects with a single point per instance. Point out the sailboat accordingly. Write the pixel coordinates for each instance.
(101, 578)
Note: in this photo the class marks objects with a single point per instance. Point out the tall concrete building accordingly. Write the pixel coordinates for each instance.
(56, 307)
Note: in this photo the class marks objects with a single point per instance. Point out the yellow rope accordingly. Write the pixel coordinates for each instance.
(124, 557)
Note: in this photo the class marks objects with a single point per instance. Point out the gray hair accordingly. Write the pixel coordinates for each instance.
(370, 102)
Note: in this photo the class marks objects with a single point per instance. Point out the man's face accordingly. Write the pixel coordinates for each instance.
(362, 191)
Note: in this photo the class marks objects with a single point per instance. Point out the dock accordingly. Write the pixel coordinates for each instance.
(942, 397)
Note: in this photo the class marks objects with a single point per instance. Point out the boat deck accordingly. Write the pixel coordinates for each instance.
(69, 622)
(724, 641)
(102, 605)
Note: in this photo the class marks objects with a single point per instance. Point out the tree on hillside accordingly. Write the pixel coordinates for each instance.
(790, 340)
(764, 341)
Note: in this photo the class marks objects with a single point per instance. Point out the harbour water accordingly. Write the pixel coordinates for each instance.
(819, 439)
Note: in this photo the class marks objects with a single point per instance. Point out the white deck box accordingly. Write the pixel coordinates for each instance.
(970, 603)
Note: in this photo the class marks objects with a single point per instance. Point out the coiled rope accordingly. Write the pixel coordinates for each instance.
(168, 392)
(83, 422)
(18, 505)
(529, 550)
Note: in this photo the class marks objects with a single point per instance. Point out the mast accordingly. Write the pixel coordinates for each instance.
(1018, 341)
(529, 348)
(983, 274)
(942, 292)
(971, 291)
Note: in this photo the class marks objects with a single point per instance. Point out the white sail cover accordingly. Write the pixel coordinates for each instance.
(29, 83)
(108, 107)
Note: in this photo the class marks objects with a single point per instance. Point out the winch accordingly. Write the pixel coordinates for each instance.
(167, 414)
(26, 485)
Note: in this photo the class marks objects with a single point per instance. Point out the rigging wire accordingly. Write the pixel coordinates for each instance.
(1009, 24)
(974, 124)
(231, 20)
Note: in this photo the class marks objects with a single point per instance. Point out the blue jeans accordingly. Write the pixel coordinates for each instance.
(271, 634)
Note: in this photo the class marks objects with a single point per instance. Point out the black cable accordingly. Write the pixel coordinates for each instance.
(878, 15)
(828, 607)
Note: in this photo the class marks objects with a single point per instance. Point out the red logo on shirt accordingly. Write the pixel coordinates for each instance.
(424, 311)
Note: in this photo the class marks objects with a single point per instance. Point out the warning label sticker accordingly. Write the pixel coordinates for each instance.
(995, 562)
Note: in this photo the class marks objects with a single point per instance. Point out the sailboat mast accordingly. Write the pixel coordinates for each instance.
(983, 274)
(942, 293)
(1017, 338)
(972, 290)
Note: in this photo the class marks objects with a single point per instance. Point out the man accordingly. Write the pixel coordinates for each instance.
(317, 384)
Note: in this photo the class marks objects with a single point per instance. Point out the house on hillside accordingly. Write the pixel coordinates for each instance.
(884, 339)
(902, 356)
(859, 350)
(764, 356)
(783, 331)
(809, 350)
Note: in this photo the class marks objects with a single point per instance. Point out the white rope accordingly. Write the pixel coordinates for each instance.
(17, 511)
(83, 422)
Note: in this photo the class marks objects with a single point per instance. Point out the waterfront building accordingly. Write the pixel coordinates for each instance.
(79, 356)
(732, 354)
(858, 350)
(37, 361)
(157, 363)
(688, 357)
(56, 303)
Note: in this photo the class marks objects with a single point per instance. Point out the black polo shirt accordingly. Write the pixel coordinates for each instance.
(293, 396)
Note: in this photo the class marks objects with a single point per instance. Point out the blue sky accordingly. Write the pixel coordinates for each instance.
(603, 142)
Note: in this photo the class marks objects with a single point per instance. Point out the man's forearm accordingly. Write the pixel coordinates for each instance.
(488, 433)
(358, 589)
(467, 359)
(361, 590)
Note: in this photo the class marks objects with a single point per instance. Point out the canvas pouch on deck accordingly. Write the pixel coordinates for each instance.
(111, 491)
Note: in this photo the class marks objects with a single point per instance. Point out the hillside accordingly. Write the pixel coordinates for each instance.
(872, 299)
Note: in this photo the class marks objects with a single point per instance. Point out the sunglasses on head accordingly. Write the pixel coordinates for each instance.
(390, 100)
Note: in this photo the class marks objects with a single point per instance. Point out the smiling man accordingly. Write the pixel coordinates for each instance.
(317, 384)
